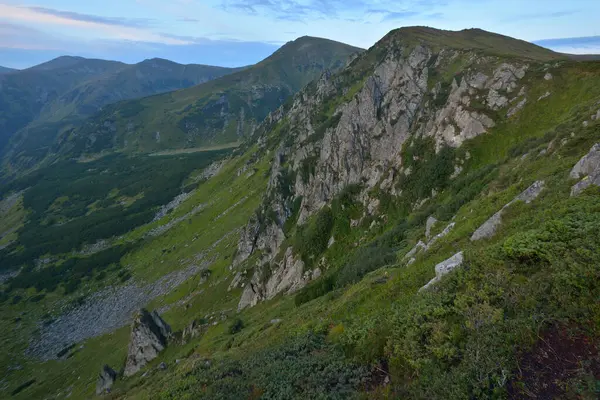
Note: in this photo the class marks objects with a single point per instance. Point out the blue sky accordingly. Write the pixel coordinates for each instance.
(241, 32)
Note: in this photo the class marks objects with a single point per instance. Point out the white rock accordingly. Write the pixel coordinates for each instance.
(444, 268)
(428, 225)
(489, 227)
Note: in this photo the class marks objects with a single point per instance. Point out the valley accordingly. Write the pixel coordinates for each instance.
(416, 220)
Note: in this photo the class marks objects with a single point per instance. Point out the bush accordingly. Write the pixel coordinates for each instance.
(311, 238)
(236, 326)
(315, 289)
(305, 367)
(364, 260)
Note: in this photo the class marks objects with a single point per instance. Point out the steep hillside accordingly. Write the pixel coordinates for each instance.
(24, 94)
(424, 223)
(37, 103)
(222, 111)
(5, 70)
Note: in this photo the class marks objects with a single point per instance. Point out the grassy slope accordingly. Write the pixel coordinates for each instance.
(256, 90)
(421, 336)
(372, 319)
(73, 88)
(146, 264)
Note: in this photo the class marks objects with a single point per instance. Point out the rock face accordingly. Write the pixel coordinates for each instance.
(106, 379)
(149, 336)
(587, 169)
(489, 227)
(396, 101)
(444, 268)
(287, 277)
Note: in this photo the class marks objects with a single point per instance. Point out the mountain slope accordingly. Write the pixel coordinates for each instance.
(222, 111)
(4, 70)
(40, 101)
(424, 223)
(23, 94)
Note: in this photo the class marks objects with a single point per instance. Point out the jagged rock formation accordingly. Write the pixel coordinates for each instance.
(288, 276)
(587, 169)
(377, 110)
(489, 227)
(106, 379)
(149, 336)
(444, 268)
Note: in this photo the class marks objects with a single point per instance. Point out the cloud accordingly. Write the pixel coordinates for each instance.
(392, 16)
(294, 10)
(112, 28)
(128, 22)
(575, 45)
(187, 19)
(541, 15)
(347, 10)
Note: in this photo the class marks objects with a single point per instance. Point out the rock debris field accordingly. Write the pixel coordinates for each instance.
(103, 312)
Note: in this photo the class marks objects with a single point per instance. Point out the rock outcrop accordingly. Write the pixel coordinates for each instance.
(359, 141)
(431, 221)
(427, 245)
(489, 227)
(287, 277)
(106, 379)
(149, 336)
(444, 268)
(587, 169)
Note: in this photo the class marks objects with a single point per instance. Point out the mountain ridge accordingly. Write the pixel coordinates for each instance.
(40, 101)
(422, 222)
(219, 111)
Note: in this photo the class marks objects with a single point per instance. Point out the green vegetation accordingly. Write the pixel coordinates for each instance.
(194, 117)
(363, 329)
(61, 197)
(306, 367)
(311, 238)
(78, 88)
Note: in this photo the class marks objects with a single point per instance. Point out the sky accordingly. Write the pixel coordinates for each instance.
(241, 32)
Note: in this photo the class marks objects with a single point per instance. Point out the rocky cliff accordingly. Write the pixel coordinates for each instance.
(398, 114)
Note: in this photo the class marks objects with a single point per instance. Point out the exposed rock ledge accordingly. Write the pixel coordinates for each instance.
(489, 227)
(587, 168)
(444, 268)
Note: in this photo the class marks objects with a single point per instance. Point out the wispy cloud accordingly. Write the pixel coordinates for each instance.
(541, 15)
(575, 45)
(116, 21)
(187, 19)
(114, 28)
(348, 10)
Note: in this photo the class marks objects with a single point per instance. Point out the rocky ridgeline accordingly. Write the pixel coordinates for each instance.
(399, 100)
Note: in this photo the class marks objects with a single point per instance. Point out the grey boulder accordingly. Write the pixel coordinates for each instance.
(444, 268)
(149, 336)
(106, 379)
(587, 168)
(489, 227)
